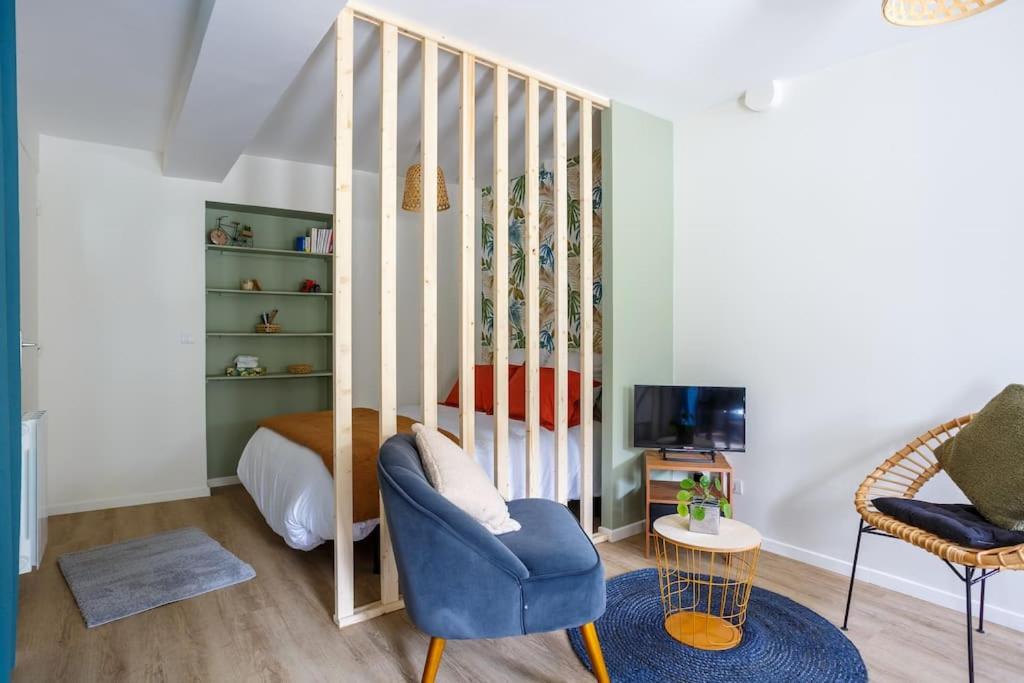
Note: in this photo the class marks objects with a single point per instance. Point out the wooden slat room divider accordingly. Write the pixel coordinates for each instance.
(431, 44)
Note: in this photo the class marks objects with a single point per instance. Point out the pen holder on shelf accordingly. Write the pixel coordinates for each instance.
(266, 324)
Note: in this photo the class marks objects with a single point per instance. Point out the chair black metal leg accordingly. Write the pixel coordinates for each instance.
(981, 610)
(968, 579)
(853, 573)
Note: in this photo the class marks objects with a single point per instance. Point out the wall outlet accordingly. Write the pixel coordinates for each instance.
(187, 338)
(739, 487)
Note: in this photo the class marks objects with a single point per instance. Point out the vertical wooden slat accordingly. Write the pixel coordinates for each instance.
(561, 304)
(586, 186)
(500, 335)
(467, 272)
(428, 164)
(533, 464)
(344, 579)
(388, 278)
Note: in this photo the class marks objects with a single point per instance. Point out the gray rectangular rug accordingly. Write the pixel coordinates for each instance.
(118, 580)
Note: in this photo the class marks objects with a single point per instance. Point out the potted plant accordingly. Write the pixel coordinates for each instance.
(703, 502)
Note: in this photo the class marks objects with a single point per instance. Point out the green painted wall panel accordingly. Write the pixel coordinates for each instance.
(638, 260)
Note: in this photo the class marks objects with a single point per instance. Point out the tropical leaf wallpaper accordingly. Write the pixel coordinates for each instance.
(517, 259)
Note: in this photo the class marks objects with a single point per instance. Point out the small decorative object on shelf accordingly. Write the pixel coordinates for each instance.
(310, 287)
(231, 233)
(703, 506)
(245, 372)
(300, 369)
(245, 366)
(219, 237)
(266, 324)
(251, 285)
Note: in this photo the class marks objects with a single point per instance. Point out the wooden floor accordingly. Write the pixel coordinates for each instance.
(278, 626)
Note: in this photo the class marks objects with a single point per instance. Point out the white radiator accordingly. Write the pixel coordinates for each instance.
(33, 492)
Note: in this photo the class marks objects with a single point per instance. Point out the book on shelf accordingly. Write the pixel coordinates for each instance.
(320, 241)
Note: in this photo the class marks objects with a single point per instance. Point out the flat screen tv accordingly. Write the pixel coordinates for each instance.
(700, 419)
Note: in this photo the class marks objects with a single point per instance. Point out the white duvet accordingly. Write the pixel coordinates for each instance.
(295, 492)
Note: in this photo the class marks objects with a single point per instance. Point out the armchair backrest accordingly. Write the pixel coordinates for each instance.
(457, 579)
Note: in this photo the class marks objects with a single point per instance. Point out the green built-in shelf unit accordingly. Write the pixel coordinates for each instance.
(235, 405)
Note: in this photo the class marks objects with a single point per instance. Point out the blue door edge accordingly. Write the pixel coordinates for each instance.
(10, 343)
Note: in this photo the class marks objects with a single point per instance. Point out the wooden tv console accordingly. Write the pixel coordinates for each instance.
(664, 492)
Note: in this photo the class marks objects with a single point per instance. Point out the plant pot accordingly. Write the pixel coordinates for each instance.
(712, 517)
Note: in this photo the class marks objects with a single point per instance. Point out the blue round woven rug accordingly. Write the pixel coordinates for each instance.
(782, 641)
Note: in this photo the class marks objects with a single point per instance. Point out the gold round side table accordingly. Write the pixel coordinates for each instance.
(705, 580)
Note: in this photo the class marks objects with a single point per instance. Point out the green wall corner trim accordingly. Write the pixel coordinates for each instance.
(639, 234)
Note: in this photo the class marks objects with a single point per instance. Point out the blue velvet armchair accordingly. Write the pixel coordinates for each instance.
(459, 581)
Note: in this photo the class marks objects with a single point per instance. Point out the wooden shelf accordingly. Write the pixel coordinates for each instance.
(236, 405)
(256, 251)
(273, 375)
(266, 292)
(656, 462)
(664, 491)
(265, 334)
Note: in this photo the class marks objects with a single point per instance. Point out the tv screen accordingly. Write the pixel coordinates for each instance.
(689, 418)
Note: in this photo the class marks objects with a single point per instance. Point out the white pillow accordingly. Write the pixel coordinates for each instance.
(461, 480)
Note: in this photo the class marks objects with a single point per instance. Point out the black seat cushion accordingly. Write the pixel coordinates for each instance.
(961, 524)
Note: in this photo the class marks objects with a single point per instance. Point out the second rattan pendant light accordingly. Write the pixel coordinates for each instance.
(412, 196)
(932, 12)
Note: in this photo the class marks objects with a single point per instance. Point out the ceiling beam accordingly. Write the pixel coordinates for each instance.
(243, 58)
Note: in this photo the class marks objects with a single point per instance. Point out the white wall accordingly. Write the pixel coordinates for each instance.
(122, 279)
(28, 170)
(366, 288)
(854, 259)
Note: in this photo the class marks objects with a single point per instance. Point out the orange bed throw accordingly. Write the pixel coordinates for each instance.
(315, 431)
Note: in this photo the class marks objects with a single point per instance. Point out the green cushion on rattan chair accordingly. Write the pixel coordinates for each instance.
(986, 459)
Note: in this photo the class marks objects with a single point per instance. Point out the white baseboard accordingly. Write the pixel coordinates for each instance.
(955, 601)
(222, 481)
(616, 535)
(126, 501)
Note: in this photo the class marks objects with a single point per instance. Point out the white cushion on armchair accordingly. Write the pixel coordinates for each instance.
(461, 480)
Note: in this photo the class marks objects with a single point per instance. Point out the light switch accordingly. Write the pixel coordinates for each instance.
(187, 338)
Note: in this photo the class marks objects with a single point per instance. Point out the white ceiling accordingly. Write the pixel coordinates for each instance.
(224, 70)
(109, 70)
(103, 71)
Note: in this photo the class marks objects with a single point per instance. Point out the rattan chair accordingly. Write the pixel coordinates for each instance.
(903, 475)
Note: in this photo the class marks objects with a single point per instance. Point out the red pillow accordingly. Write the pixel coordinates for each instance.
(484, 389)
(575, 414)
(517, 397)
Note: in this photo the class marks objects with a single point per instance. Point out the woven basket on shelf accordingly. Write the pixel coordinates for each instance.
(268, 329)
(300, 369)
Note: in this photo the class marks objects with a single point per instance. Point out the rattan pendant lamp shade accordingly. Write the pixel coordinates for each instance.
(932, 12)
(412, 195)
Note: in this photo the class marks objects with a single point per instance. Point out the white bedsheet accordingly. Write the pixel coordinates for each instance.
(295, 492)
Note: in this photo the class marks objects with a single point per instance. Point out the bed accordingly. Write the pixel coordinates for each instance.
(294, 489)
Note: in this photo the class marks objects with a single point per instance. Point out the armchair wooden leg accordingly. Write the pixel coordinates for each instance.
(593, 646)
(434, 653)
